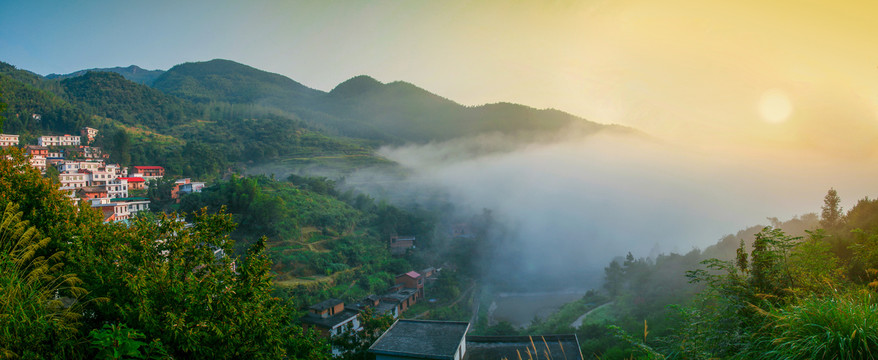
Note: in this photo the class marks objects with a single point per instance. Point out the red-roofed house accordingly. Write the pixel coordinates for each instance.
(150, 171)
(412, 280)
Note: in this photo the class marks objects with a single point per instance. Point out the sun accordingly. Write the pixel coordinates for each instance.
(775, 106)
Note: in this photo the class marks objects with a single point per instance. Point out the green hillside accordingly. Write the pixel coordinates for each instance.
(133, 73)
(26, 94)
(362, 107)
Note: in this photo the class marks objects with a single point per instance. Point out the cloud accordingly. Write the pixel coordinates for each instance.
(572, 204)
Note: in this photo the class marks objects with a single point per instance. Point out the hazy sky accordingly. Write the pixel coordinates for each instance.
(776, 73)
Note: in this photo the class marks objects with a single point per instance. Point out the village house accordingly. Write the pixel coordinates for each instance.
(112, 211)
(447, 340)
(399, 245)
(88, 133)
(150, 172)
(117, 170)
(185, 186)
(90, 192)
(331, 318)
(422, 339)
(75, 166)
(7, 140)
(134, 204)
(412, 280)
(85, 152)
(117, 188)
(63, 140)
(38, 162)
(72, 180)
(35, 150)
(135, 183)
(98, 177)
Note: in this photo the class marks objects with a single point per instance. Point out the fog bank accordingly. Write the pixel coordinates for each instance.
(573, 204)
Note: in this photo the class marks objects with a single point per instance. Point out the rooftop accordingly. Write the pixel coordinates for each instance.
(326, 304)
(513, 347)
(411, 274)
(421, 339)
(332, 321)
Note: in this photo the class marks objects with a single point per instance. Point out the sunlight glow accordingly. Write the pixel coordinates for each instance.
(775, 106)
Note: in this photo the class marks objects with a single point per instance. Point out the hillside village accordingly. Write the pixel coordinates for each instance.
(84, 174)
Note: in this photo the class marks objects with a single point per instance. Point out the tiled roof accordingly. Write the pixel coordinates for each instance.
(133, 179)
(412, 274)
(149, 167)
(332, 321)
(511, 347)
(421, 339)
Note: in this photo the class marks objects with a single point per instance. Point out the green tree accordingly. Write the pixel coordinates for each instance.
(831, 214)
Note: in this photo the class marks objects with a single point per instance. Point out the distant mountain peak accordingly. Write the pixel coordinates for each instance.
(356, 85)
(131, 72)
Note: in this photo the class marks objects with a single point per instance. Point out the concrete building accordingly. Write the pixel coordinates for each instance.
(134, 204)
(117, 188)
(331, 318)
(7, 140)
(62, 140)
(72, 180)
(88, 133)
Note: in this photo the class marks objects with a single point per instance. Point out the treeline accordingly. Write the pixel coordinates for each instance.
(74, 287)
(800, 289)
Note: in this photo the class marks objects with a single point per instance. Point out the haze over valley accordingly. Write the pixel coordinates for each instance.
(556, 168)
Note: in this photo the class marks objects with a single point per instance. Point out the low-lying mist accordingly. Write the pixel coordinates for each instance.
(570, 205)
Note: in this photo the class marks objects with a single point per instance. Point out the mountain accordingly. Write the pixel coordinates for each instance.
(132, 72)
(110, 95)
(34, 105)
(362, 107)
(228, 81)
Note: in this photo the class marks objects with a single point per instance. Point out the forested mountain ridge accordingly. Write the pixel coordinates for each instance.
(142, 125)
(132, 72)
(363, 107)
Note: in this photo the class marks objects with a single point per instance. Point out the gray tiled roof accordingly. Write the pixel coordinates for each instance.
(510, 347)
(421, 339)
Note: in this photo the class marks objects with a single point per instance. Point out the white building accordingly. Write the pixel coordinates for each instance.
(38, 162)
(7, 140)
(117, 188)
(72, 180)
(62, 140)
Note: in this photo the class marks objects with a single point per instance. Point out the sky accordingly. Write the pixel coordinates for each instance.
(756, 107)
(775, 73)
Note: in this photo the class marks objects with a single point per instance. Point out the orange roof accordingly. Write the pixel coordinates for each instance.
(149, 167)
(133, 179)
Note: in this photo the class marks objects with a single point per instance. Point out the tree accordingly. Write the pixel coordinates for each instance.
(831, 215)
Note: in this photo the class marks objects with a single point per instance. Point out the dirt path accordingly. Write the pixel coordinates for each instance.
(578, 322)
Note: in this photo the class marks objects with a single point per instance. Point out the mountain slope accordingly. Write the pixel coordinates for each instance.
(362, 107)
(26, 94)
(111, 95)
(228, 81)
(132, 72)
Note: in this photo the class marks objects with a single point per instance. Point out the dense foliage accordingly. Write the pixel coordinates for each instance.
(158, 288)
(776, 296)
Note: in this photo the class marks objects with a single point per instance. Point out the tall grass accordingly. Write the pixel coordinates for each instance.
(842, 326)
(33, 318)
